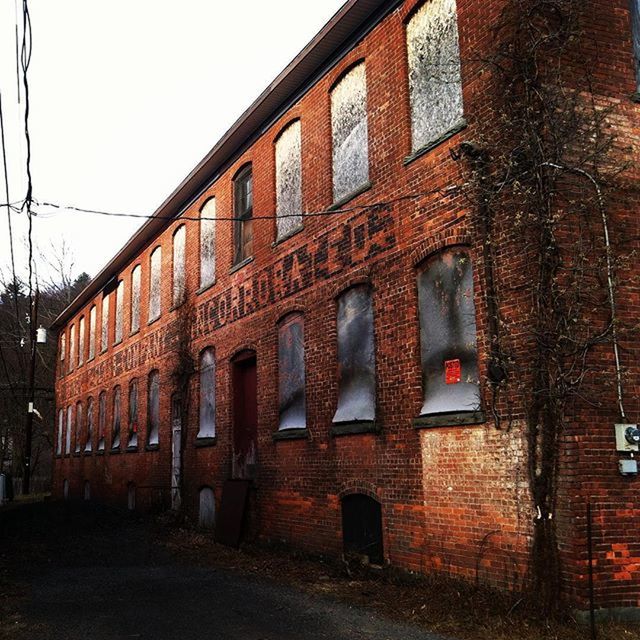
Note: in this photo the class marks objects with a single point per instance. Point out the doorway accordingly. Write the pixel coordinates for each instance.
(362, 527)
(176, 452)
(245, 416)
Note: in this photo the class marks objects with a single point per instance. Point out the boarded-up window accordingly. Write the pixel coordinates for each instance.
(67, 444)
(153, 411)
(635, 25)
(72, 347)
(119, 312)
(243, 214)
(135, 299)
(448, 334)
(291, 372)
(92, 333)
(63, 353)
(356, 357)
(289, 180)
(208, 243)
(89, 441)
(435, 85)
(155, 263)
(60, 432)
(117, 418)
(349, 133)
(133, 415)
(179, 288)
(207, 394)
(79, 426)
(102, 419)
(207, 510)
(104, 329)
(81, 332)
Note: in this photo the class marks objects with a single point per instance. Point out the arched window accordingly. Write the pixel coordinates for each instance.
(155, 264)
(289, 180)
(92, 332)
(356, 357)
(63, 353)
(435, 85)
(207, 394)
(349, 133)
(207, 508)
(119, 312)
(102, 419)
(72, 347)
(243, 214)
(291, 373)
(115, 429)
(179, 282)
(67, 444)
(153, 410)
(208, 243)
(60, 432)
(79, 425)
(89, 442)
(448, 334)
(104, 327)
(135, 299)
(81, 331)
(133, 415)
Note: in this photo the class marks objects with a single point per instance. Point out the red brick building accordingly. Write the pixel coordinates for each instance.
(309, 310)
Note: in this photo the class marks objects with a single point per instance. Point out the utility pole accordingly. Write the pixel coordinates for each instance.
(33, 323)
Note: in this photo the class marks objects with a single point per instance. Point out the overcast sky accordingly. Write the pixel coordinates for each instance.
(126, 97)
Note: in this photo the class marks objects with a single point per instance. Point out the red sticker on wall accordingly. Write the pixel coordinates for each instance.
(452, 371)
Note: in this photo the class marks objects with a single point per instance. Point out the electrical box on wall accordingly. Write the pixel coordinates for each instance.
(627, 437)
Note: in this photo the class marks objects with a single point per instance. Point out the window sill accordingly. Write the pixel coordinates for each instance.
(152, 447)
(290, 234)
(457, 128)
(100, 452)
(206, 287)
(356, 426)
(113, 452)
(132, 449)
(453, 419)
(119, 342)
(350, 196)
(244, 263)
(133, 333)
(201, 443)
(150, 322)
(635, 97)
(76, 454)
(176, 306)
(88, 452)
(291, 434)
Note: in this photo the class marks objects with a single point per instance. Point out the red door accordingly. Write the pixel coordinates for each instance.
(245, 416)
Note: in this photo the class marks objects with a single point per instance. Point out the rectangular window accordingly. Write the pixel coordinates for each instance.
(102, 419)
(153, 411)
(81, 341)
(243, 214)
(92, 333)
(289, 180)
(448, 334)
(115, 429)
(133, 415)
(155, 263)
(67, 444)
(179, 288)
(435, 84)
(291, 373)
(89, 442)
(78, 427)
(207, 395)
(349, 133)
(208, 243)
(635, 27)
(104, 329)
(72, 347)
(356, 357)
(135, 299)
(119, 312)
(60, 432)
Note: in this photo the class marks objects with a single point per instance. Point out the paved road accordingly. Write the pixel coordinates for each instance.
(94, 575)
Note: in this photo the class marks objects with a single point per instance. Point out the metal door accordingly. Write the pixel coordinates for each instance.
(245, 416)
(176, 452)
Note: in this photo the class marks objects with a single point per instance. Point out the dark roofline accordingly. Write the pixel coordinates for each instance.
(345, 29)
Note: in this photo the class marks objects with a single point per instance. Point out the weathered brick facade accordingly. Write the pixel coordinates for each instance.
(454, 498)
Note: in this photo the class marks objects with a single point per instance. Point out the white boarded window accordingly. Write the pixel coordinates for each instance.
(135, 299)
(81, 332)
(102, 419)
(208, 243)
(67, 444)
(154, 284)
(104, 327)
(60, 432)
(207, 508)
(119, 312)
(153, 404)
(92, 333)
(356, 357)
(291, 374)
(78, 427)
(63, 353)
(117, 419)
(207, 394)
(349, 133)
(72, 347)
(448, 334)
(289, 180)
(89, 441)
(435, 85)
(179, 288)
(133, 415)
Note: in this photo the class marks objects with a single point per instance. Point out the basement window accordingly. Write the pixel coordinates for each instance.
(448, 334)
(135, 299)
(104, 328)
(435, 84)
(349, 133)
(155, 263)
(119, 312)
(179, 286)
(78, 427)
(207, 508)
(243, 214)
(208, 243)
(81, 341)
(154, 408)
(133, 415)
(60, 432)
(72, 347)
(115, 428)
(92, 333)
(88, 445)
(356, 357)
(102, 419)
(67, 444)
(207, 395)
(291, 373)
(289, 180)
(635, 26)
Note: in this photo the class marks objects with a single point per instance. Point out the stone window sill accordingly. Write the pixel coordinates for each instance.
(338, 204)
(132, 449)
(152, 447)
(290, 434)
(453, 419)
(356, 426)
(244, 263)
(205, 287)
(457, 128)
(201, 443)
(113, 452)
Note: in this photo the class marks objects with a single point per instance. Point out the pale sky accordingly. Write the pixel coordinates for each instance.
(126, 97)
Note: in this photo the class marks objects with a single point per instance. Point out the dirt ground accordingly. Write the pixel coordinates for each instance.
(83, 571)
